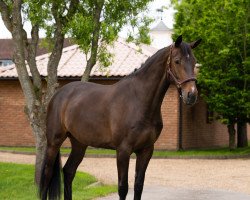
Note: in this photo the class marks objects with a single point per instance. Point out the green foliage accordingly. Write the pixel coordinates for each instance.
(114, 16)
(17, 182)
(104, 56)
(143, 31)
(81, 24)
(81, 29)
(36, 12)
(224, 54)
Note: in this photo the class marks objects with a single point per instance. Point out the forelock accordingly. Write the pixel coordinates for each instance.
(185, 49)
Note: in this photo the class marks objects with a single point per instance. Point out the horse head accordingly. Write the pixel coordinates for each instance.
(180, 68)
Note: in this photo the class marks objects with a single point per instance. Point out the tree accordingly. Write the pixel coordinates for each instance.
(100, 23)
(58, 18)
(36, 97)
(224, 57)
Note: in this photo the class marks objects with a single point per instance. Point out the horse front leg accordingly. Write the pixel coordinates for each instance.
(142, 159)
(122, 168)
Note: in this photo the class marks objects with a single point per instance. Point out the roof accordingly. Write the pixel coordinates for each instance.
(161, 26)
(7, 46)
(73, 61)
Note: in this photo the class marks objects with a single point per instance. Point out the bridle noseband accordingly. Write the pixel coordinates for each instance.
(177, 82)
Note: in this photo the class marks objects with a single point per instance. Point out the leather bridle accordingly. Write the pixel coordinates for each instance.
(175, 79)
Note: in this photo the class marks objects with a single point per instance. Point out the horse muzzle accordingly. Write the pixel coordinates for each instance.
(189, 97)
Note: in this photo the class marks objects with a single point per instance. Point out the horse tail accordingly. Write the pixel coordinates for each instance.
(50, 179)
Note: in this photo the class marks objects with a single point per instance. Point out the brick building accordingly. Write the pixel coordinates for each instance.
(192, 130)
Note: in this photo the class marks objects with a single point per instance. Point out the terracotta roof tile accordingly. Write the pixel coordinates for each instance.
(6, 48)
(72, 63)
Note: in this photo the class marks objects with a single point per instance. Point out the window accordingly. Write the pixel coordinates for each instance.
(4, 63)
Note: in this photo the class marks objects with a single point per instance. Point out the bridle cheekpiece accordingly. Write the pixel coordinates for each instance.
(178, 83)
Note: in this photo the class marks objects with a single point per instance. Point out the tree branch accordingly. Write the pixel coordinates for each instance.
(95, 39)
(31, 59)
(19, 59)
(6, 16)
(58, 45)
(55, 56)
(72, 9)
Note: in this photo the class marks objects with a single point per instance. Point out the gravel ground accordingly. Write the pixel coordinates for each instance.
(231, 175)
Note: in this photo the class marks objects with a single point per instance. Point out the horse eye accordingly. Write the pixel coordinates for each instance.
(177, 61)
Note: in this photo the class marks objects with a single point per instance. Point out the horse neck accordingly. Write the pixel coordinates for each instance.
(151, 82)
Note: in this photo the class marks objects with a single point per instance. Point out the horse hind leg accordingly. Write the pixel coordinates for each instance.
(50, 177)
(50, 174)
(69, 169)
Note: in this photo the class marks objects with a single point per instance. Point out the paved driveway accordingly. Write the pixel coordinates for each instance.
(196, 179)
(166, 193)
(228, 175)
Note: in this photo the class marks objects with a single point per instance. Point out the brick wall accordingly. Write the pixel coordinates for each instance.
(169, 136)
(14, 126)
(197, 133)
(15, 129)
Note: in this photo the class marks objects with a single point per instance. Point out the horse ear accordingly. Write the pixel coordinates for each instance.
(178, 41)
(195, 43)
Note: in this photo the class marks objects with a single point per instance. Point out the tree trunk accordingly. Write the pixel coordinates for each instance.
(242, 140)
(33, 108)
(95, 39)
(86, 74)
(231, 131)
(38, 125)
(41, 144)
(35, 100)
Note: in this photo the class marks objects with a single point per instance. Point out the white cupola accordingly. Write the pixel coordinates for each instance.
(161, 35)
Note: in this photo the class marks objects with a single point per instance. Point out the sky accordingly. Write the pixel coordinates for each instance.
(167, 17)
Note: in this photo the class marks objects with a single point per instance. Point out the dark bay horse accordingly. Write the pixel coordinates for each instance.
(125, 116)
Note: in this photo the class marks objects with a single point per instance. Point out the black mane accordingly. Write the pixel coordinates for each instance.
(148, 62)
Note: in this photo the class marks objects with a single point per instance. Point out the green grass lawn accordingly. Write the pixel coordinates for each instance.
(89, 151)
(219, 152)
(17, 183)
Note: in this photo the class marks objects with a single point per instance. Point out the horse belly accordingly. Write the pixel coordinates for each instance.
(90, 127)
(92, 135)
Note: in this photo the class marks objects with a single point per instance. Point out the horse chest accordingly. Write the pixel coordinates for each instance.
(145, 133)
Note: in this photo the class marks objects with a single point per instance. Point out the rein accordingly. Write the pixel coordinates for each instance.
(178, 83)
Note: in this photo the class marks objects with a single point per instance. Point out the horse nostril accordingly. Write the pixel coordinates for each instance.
(191, 98)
